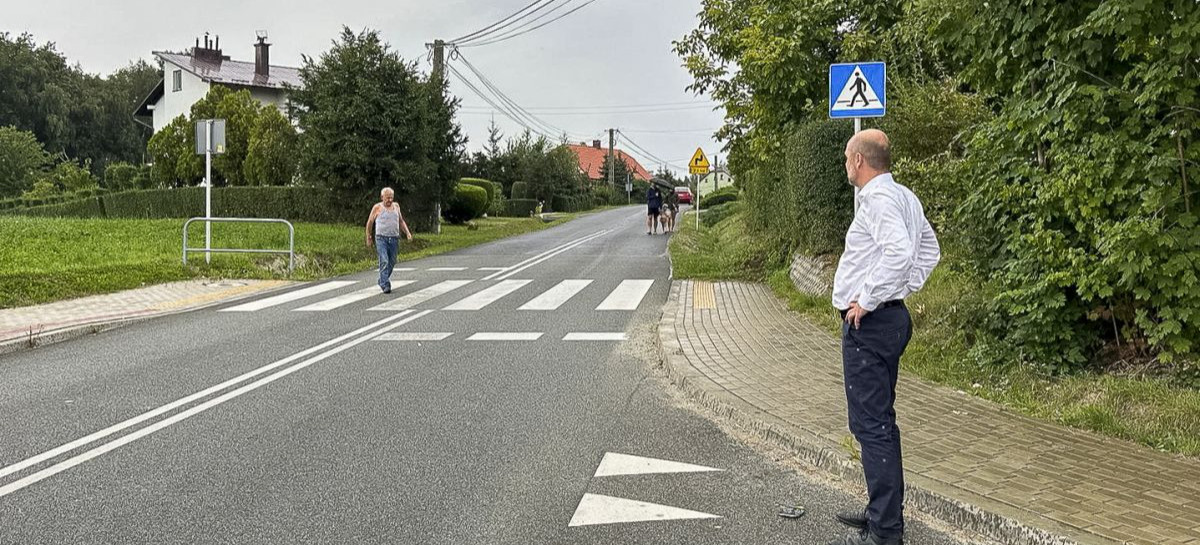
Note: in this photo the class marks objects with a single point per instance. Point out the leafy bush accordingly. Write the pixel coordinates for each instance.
(520, 190)
(485, 184)
(718, 197)
(90, 207)
(498, 205)
(716, 214)
(290, 203)
(22, 160)
(521, 208)
(800, 198)
(120, 176)
(466, 203)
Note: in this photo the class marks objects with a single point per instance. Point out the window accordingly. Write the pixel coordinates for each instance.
(177, 78)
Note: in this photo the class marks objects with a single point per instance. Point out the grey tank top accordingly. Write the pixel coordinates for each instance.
(387, 223)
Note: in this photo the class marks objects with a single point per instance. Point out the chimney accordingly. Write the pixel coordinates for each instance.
(210, 51)
(262, 55)
(596, 144)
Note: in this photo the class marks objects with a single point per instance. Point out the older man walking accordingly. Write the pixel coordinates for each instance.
(890, 251)
(388, 223)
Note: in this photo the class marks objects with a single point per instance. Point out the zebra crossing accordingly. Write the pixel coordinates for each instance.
(628, 295)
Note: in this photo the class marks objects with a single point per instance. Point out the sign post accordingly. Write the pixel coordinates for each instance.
(699, 166)
(210, 132)
(857, 90)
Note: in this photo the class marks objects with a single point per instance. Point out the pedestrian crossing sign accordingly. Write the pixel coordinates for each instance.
(857, 90)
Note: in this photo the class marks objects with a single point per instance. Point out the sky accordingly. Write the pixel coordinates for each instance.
(608, 65)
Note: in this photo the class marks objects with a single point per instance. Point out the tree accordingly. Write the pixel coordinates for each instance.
(369, 120)
(620, 170)
(240, 112)
(271, 155)
(174, 154)
(22, 160)
(65, 177)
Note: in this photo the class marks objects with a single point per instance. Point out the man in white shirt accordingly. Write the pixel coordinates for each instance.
(890, 251)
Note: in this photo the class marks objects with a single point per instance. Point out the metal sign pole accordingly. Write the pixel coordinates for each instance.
(208, 137)
(857, 129)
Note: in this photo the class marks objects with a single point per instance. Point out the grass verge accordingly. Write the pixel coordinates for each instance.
(49, 259)
(1149, 411)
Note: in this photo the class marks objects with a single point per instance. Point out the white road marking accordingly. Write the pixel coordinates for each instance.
(352, 297)
(556, 296)
(505, 336)
(289, 296)
(489, 295)
(544, 256)
(594, 337)
(403, 269)
(363, 334)
(598, 509)
(626, 464)
(420, 296)
(414, 336)
(493, 268)
(447, 269)
(627, 296)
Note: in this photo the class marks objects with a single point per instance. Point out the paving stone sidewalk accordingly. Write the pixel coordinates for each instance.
(54, 321)
(738, 349)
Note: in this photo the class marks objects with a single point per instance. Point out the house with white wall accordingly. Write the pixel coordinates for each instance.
(718, 178)
(188, 76)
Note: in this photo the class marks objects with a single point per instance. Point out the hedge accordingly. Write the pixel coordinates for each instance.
(468, 202)
(720, 196)
(521, 208)
(485, 184)
(291, 203)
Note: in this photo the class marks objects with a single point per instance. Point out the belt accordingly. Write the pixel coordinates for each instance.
(883, 305)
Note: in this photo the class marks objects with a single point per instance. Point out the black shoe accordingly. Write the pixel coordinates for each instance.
(865, 537)
(853, 518)
(389, 290)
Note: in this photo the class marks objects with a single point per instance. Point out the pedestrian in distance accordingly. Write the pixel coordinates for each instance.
(387, 223)
(669, 211)
(890, 251)
(654, 203)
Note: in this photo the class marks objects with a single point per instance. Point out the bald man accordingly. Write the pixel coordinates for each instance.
(890, 251)
(387, 222)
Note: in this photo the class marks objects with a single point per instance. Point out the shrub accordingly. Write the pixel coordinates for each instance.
(466, 203)
(716, 214)
(520, 190)
(290, 203)
(718, 197)
(497, 207)
(485, 184)
(521, 208)
(120, 176)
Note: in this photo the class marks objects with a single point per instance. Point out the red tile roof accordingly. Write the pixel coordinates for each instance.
(591, 161)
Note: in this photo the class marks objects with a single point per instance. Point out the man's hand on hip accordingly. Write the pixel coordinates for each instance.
(855, 315)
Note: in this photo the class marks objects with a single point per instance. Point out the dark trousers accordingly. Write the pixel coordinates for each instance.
(870, 364)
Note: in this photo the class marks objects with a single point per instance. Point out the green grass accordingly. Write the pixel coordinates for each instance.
(1149, 411)
(725, 251)
(49, 259)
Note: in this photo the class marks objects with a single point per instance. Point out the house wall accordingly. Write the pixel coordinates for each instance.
(715, 181)
(176, 103)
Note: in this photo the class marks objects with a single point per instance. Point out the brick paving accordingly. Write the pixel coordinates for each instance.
(19, 324)
(752, 351)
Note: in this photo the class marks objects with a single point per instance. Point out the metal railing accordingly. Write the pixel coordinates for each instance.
(291, 251)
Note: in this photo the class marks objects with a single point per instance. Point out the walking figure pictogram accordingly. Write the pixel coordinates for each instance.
(860, 90)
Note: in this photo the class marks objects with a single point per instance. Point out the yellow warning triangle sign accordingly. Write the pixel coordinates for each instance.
(699, 163)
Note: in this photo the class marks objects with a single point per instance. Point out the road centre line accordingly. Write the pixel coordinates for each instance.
(143, 432)
(580, 242)
(538, 256)
(52, 453)
(505, 336)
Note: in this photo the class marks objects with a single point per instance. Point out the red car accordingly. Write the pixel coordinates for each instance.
(684, 194)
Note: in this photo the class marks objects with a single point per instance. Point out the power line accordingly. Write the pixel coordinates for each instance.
(617, 107)
(492, 28)
(643, 151)
(518, 32)
(510, 102)
(514, 117)
(672, 131)
(617, 112)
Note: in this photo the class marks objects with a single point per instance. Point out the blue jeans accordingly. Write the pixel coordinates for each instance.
(871, 363)
(386, 248)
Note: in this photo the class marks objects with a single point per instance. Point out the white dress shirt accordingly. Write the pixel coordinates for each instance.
(890, 247)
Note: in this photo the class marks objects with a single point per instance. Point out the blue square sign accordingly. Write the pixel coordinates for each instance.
(857, 89)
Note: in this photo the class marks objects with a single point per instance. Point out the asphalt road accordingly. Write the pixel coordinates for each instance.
(452, 415)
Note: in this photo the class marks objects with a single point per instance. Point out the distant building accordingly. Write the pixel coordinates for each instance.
(592, 158)
(714, 180)
(187, 77)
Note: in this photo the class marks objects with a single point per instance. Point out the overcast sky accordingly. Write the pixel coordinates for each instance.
(575, 74)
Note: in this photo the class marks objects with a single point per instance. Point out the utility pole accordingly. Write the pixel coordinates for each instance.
(611, 158)
(439, 60)
(439, 77)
